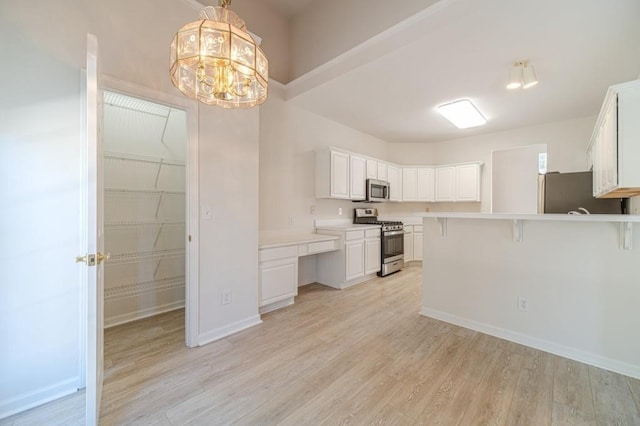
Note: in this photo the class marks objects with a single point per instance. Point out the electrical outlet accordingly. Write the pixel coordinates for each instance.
(226, 297)
(290, 220)
(312, 209)
(523, 304)
(339, 210)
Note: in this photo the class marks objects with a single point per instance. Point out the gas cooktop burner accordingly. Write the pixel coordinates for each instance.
(378, 222)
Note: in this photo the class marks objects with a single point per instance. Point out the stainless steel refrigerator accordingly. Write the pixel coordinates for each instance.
(573, 192)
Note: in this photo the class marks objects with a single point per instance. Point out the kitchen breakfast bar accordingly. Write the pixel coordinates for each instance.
(565, 284)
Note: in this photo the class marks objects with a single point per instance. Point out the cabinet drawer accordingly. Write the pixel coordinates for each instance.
(372, 233)
(321, 246)
(417, 228)
(408, 229)
(277, 253)
(354, 235)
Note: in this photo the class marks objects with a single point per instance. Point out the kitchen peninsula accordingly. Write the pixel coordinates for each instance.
(565, 284)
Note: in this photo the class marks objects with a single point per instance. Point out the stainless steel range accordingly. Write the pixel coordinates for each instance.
(392, 239)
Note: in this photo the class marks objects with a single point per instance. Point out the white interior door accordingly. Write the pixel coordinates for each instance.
(95, 235)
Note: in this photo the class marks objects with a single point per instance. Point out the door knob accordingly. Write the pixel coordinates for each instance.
(93, 259)
(103, 257)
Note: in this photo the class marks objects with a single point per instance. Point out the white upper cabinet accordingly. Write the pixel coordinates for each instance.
(426, 184)
(372, 169)
(409, 184)
(332, 174)
(468, 182)
(343, 174)
(614, 146)
(394, 177)
(460, 182)
(358, 178)
(418, 184)
(445, 183)
(382, 171)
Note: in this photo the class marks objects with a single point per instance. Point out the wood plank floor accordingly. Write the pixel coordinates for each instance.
(360, 356)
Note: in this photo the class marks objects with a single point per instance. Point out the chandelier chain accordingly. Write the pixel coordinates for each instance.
(225, 3)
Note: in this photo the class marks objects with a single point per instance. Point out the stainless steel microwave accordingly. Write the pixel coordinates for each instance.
(377, 190)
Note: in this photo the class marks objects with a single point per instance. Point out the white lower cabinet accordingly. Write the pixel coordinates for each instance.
(278, 280)
(354, 254)
(408, 243)
(412, 243)
(417, 242)
(355, 262)
(372, 255)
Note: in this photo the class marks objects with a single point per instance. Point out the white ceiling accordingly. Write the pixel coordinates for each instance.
(389, 86)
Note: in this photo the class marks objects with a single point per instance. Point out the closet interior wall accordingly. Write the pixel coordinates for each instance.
(144, 199)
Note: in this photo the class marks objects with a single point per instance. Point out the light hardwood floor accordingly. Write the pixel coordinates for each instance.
(360, 356)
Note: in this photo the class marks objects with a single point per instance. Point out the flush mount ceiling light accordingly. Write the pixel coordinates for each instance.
(216, 61)
(463, 114)
(522, 75)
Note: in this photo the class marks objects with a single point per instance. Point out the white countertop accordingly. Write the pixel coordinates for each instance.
(341, 225)
(625, 218)
(350, 227)
(271, 239)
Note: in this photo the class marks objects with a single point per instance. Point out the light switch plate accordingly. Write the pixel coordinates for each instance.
(206, 213)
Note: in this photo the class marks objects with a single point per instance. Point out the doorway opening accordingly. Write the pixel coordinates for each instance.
(145, 208)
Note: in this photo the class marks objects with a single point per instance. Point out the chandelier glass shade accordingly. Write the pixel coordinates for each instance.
(216, 61)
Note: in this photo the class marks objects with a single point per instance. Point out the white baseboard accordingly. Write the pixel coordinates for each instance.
(276, 305)
(143, 313)
(595, 360)
(38, 397)
(227, 330)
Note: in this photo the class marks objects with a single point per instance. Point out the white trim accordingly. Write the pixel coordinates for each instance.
(276, 305)
(192, 270)
(38, 397)
(192, 190)
(541, 344)
(82, 244)
(227, 330)
(144, 313)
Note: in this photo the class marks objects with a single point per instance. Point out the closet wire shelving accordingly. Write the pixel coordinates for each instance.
(144, 224)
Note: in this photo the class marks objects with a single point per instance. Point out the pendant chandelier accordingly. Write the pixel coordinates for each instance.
(216, 61)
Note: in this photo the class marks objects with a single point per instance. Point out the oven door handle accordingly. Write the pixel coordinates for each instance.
(392, 233)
